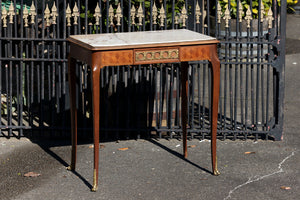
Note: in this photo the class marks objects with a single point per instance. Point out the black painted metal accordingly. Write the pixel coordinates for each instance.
(141, 101)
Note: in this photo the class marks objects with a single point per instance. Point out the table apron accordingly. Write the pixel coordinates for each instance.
(154, 55)
(195, 53)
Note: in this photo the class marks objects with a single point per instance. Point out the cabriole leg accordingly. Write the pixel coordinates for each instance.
(72, 86)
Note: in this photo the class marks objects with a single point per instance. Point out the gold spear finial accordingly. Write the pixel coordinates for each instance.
(162, 15)
(111, 15)
(32, 13)
(11, 12)
(270, 18)
(140, 15)
(227, 17)
(4, 16)
(97, 14)
(119, 15)
(183, 16)
(197, 13)
(47, 15)
(54, 13)
(154, 14)
(248, 17)
(25, 16)
(68, 15)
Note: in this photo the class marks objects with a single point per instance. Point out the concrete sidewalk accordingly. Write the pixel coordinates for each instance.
(150, 170)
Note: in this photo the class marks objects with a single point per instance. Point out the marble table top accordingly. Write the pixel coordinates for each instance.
(144, 38)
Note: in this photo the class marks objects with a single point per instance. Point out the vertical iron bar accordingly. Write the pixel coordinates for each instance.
(236, 72)
(167, 95)
(177, 123)
(20, 96)
(241, 77)
(192, 100)
(281, 71)
(1, 54)
(160, 98)
(218, 33)
(199, 99)
(268, 85)
(64, 56)
(129, 14)
(262, 84)
(40, 75)
(150, 100)
(225, 82)
(171, 88)
(129, 84)
(165, 20)
(257, 96)
(156, 94)
(5, 67)
(151, 14)
(122, 19)
(86, 17)
(203, 97)
(144, 13)
(208, 14)
(9, 95)
(118, 102)
(173, 14)
(230, 73)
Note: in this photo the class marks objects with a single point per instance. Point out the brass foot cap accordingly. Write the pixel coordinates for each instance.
(216, 172)
(95, 188)
(70, 168)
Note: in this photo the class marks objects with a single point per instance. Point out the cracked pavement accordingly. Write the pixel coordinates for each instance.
(150, 170)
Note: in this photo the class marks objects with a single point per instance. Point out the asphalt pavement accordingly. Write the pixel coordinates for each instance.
(155, 169)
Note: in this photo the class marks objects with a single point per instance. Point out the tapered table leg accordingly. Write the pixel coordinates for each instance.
(96, 114)
(72, 89)
(184, 90)
(215, 103)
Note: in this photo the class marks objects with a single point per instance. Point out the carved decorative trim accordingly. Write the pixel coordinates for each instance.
(157, 55)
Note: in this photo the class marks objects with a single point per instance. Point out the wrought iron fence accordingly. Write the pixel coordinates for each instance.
(135, 100)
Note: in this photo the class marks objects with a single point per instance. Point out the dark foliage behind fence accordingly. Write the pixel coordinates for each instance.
(142, 101)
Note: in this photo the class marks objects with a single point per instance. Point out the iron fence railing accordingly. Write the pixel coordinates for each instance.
(135, 100)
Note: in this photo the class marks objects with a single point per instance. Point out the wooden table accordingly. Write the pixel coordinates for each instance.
(139, 48)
